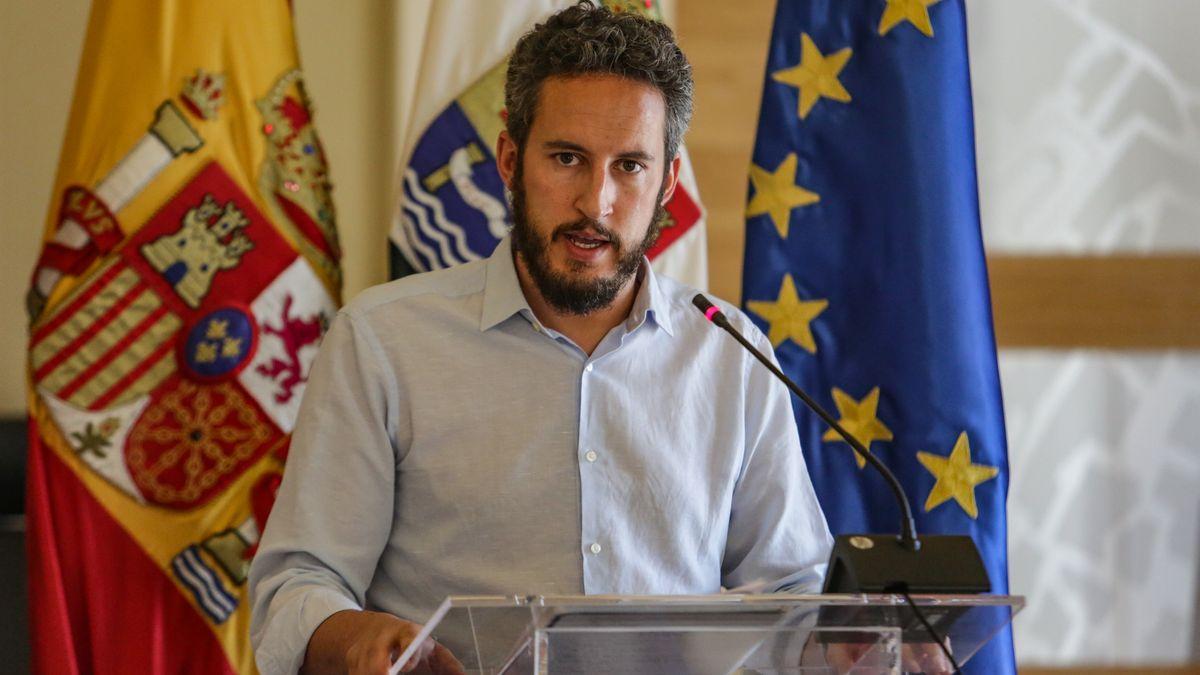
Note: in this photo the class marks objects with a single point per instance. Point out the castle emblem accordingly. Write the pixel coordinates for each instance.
(208, 241)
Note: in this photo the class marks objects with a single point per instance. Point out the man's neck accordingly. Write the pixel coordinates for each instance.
(585, 330)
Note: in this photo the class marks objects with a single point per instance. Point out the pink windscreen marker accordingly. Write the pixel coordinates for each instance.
(710, 312)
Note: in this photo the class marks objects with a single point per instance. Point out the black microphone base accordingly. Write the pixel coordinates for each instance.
(880, 563)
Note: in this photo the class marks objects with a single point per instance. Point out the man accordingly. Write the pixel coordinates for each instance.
(555, 419)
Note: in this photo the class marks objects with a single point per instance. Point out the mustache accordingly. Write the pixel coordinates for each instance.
(584, 224)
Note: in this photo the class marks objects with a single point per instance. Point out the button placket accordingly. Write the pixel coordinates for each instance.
(588, 487)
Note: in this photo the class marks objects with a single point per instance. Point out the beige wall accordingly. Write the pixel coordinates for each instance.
(346, 53)
(727, 45)
(40, 44)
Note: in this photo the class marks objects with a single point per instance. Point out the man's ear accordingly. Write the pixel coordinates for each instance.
(672, 179)
(506, 158)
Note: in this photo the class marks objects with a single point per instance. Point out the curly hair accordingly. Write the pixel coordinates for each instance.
(586, 39)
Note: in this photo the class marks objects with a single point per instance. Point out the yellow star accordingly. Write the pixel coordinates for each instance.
(206, 352)
(858, 418)
(816, 75)
(776, 193)
(956, 476)
(217, 329)
(231, 348)
(789, 316)
(915, 12)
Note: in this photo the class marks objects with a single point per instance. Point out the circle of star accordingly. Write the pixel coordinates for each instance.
(776, 193)
(789, 317)
(915, 12)
(816, 76)
(859, 419)
(956, 476)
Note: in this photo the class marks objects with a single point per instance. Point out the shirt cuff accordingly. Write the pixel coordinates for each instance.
(316, 605)
(804, 582)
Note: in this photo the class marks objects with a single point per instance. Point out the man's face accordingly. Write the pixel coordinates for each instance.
(588, 187)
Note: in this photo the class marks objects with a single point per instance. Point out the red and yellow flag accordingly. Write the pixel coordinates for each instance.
(190, 266)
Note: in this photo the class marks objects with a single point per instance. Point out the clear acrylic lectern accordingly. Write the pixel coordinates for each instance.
(708, 635)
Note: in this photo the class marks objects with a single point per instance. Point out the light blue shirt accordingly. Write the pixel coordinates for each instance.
(448, 443)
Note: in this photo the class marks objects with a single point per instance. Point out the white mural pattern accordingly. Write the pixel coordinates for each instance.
(1088, 138)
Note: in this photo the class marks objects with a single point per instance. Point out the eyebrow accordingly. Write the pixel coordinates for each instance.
(575, 147)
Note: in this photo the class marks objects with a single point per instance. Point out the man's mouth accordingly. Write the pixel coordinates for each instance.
(586, 240)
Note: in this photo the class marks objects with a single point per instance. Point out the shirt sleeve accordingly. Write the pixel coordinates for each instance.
(778, 538)
(333, 514)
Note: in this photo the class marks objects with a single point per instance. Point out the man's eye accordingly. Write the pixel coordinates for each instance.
(630, 166)
(567, 158)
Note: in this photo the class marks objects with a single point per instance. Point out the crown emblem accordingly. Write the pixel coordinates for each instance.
(208, 241)
(294, 177)
(203, 93)
(644, 7)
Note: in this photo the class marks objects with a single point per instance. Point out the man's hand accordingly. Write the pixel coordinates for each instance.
(366, 643)
(915, 657)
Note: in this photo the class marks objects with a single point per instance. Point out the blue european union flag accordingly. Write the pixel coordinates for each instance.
(865, 266)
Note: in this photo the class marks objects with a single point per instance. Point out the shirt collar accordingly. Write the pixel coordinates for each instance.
(502, 295)
(650, 302)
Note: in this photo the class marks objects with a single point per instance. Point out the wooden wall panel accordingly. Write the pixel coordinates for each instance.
(727, 45)
(1112, 302)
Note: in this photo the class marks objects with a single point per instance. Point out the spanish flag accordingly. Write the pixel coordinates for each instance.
(189, 269)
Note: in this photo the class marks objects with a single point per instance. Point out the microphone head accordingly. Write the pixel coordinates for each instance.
(709, 310)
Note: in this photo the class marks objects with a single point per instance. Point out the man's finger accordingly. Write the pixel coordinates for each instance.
(376, 659)
(401, 641)
(844, 656)
(442, 662)
(925, 657)
(933, 660)
(413, 661)
(410, 665)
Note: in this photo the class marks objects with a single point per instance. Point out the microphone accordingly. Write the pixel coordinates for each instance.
(872, 563)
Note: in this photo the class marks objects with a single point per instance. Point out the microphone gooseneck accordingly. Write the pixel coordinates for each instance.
(908, 529)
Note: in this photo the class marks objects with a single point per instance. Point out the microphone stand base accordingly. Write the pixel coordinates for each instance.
(881, 563)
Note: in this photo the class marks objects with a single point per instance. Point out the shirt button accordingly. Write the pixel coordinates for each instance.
(590, 455)
(595, 548)
(588, 367)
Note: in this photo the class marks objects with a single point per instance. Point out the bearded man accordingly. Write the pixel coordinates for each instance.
(556, 419)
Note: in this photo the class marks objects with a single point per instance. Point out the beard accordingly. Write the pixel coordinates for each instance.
(573, 293)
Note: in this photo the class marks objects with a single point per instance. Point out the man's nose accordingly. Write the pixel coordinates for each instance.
(596, 196)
